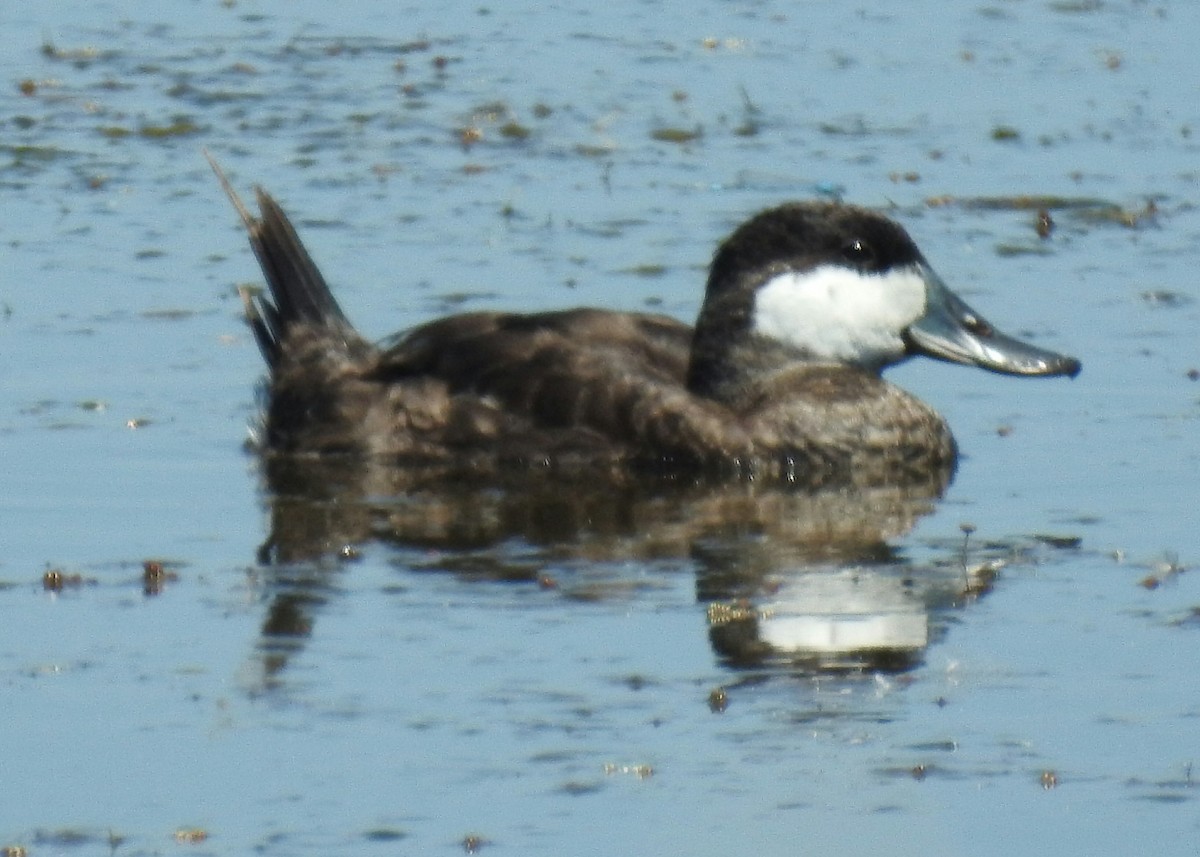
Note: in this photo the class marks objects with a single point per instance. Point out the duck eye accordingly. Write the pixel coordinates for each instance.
(859, 253)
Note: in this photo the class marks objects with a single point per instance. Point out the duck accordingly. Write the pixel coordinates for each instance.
(780, 378)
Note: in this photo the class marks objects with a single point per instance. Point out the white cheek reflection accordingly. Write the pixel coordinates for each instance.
(839, 314)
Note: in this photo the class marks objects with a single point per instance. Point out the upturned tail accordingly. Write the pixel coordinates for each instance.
(299, 295)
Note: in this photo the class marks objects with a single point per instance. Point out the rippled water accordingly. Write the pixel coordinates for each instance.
(595, 672)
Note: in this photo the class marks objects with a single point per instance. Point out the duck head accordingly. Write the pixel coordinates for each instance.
(833, 283)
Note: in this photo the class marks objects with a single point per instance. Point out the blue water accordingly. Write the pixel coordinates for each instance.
(427, 692)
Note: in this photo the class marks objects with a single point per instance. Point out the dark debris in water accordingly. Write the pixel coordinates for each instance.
(1169, 791)
(641, 771)
(385, 834)
(945, 745)
(1007, 250)
(57, 580)
(155, 577)
(646, 270)
(1044, 225)
(68, 837)
(635, 682)
(1088, 210)
(168, 314)
(1191, 619)
(499, 116)
(1164, 571)
(855, 127)
(456, 299)
(1167, 797)
(920, 772)
(23, 155)
(677, 135)
(1059, 542)
(473, 842)
(1165, 298)
(1130, 218)
(178, 127)
(588, 150)
(514, 131)
(80, 57)
(191, 835)
(1076, 7)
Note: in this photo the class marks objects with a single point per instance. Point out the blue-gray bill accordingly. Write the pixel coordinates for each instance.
(950, 330)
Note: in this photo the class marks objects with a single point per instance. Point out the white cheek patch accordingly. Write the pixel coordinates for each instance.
(839, 314)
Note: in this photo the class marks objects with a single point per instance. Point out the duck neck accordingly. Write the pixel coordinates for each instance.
(725, 366)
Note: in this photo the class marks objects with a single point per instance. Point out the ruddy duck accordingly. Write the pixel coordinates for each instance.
(806, 304)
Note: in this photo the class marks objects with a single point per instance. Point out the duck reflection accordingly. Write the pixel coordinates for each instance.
(805, 577)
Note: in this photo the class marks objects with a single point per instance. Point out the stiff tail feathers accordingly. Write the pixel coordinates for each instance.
(299, 294)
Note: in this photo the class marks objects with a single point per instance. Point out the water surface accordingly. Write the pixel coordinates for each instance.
(537, 674)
